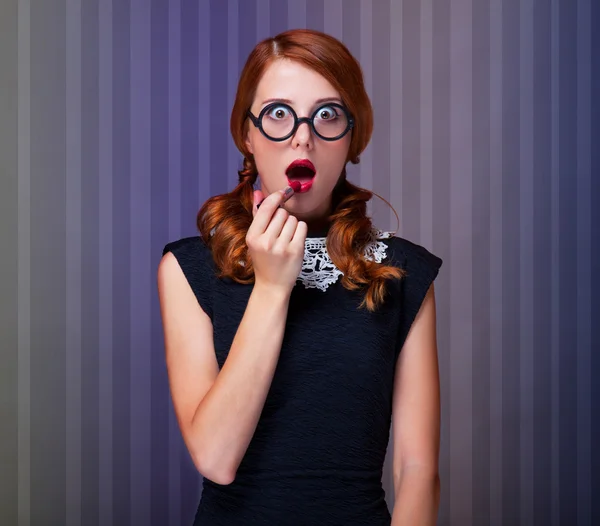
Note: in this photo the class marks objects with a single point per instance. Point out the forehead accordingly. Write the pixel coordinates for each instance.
(286, 79)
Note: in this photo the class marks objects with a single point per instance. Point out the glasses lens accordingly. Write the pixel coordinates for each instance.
(330, 121)
(278, 121)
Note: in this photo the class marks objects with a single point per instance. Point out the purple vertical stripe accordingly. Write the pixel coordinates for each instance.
(219, 126)
(194, 76)
(278, 16)
(105, 252)
(141, 282)
(495, 200)
(542, 276)
(568, 337)
(595, 254)
(526, 270)
(190, 117)
(510, 264)
(584, 269)
(233, 69)
(159, 200)
(486, 120)
(174, 180)
(121, 263)
(555, 267)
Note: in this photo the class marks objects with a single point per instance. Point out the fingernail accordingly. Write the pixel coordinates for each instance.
(287, 193)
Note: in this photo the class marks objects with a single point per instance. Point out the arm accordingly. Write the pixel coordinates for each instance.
(416, 423)
(217, 411)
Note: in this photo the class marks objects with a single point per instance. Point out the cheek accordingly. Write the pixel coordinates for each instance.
(338, 153)
(264, 153)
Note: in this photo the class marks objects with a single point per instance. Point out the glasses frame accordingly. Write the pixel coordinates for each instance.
(257, 121)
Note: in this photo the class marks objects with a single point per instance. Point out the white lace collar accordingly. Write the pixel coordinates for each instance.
(318, 271)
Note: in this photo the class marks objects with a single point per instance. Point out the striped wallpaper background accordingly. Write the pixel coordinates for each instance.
(113, 132)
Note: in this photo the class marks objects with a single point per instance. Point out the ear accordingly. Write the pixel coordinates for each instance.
(248, 143)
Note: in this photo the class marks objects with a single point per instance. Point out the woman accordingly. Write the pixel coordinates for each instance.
(296, 332)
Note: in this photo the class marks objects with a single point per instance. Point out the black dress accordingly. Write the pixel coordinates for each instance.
(317, 455)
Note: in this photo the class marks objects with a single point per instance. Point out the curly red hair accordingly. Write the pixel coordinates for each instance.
(223, 220)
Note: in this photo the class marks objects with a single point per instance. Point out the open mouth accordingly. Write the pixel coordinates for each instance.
(303, 171)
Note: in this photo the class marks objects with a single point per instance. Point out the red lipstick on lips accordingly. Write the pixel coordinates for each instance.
(303, 171)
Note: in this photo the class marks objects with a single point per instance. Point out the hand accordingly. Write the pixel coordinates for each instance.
(275, 242)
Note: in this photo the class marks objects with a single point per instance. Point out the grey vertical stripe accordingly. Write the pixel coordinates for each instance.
(174, 220)
(526, 210)
(396, 175)
(365, 58)
(496, 267)
(481, 263)
(141, 257)
(9, 212)
(24, 261)
(460, 263)
(105, 252)
(425, 123)
(584, 269)
(352, 38)
(555, 324)
(410, 93)
(48, 263)
(381, 53)
(297, 13)
(90, 271)
(333, 18)
(380, 60)
(485, 152)
(74, 277)
(442, 233)
(315, 14)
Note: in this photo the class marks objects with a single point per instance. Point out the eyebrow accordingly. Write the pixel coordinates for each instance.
(288, 101)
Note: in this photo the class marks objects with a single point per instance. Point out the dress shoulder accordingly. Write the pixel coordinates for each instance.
(421, 267)
(195, 260)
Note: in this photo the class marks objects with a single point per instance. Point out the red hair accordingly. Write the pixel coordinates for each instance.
(223, 220)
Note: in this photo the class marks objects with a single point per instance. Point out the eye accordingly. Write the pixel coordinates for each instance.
(278, 112)
(327, 113)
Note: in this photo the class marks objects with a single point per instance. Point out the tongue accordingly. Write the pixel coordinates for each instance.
(300, 173)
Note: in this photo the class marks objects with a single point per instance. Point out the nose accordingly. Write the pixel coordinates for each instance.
(303, 136)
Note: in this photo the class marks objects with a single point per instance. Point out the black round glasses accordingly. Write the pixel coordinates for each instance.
(278, 121)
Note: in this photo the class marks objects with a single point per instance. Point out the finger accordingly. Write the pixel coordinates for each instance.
(276, 223)
(268, 208)
(282, 192)
(288, 230)
(300, 234)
